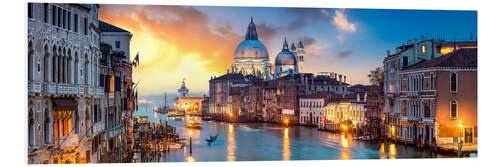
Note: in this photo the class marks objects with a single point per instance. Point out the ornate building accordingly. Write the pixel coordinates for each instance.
(63, 91)
(190, 105)
(251, 56)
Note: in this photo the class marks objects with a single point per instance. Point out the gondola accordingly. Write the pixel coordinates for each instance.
(212, 139)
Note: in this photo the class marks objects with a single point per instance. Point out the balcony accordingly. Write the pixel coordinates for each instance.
(81, 89)
(34, 87)
(91, 90)
(100, 91)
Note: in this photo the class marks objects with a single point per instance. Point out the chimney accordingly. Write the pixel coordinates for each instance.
(228, 71)
(388, 53)
(335, 76)
(345, 79)
(340, 77)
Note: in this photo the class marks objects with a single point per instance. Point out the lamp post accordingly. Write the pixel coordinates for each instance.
(190, 142)
(286, 122)
(460, 126)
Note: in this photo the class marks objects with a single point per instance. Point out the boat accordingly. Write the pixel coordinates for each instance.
(193, 122)
(212, 138)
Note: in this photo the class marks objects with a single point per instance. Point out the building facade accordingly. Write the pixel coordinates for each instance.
(190, 105)
(407, 118)
(439, 100)
(63, 91)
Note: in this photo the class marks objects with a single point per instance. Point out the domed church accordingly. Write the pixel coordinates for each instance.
(251, 56)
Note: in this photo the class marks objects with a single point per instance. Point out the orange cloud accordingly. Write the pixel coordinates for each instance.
(174, 43)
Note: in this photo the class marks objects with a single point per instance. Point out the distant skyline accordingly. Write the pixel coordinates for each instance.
(197, 42)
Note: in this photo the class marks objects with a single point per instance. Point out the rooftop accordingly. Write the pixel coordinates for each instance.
(462, 58)
(106, 27)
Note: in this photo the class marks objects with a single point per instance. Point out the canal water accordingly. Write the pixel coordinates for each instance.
(267, 142)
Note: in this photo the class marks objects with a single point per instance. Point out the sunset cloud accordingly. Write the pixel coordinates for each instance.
(174, 43)
(340, 20)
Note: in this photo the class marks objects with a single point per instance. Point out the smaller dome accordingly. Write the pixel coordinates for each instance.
(285, 57)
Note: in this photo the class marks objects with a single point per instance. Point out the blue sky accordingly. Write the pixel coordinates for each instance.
(198, 42)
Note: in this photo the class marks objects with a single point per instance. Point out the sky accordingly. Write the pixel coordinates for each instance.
(198, 42)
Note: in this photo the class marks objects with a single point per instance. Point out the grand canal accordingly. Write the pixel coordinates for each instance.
(264, 142)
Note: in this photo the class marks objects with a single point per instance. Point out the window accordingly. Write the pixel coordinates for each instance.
(46, 13)
(69, 20)
(453, 110)
(77, 123)
(427, 108)
(86, 26)
(31, 129)
(424, 49)
(405, 108)
(64, 19)
(453, 82)
(75, 20)
(46, 127)
(117, 44)
(405, 61)
(30, 10)
(54, 14)
(59, 18)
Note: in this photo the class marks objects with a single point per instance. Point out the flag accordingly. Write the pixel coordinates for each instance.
(136, 60)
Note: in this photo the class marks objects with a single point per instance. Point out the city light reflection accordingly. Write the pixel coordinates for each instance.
(190, 159)
(286, 145)
(346, 152)
(231, 144)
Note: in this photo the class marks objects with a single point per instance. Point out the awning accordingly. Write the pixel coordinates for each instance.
(65, 104)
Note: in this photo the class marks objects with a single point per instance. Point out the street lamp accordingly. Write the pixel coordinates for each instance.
(286, 122)
(190, 142)
(460, 126)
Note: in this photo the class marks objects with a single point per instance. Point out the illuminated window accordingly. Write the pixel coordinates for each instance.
(453, 110)
(424, 49)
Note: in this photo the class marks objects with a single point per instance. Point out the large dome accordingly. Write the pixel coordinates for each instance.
(251, 49)
(285, 57)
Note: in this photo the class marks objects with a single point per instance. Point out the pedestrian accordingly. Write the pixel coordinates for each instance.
(406, 146)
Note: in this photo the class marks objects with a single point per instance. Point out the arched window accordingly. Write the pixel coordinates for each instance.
(77, 123)
(46, 126)
(31, 128)
(453, 82)
(54, 65)
(76, 68)
(30, 61)
(46, 64)
(453, 109)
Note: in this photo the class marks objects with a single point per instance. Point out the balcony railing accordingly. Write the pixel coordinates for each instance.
(64, 89)
(34, 87)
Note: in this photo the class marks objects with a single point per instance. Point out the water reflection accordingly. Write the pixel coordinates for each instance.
(231, 144)
(346, 151)
(286, 145)
(388, 151)
(190, 159)
(265, 142)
